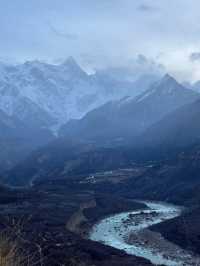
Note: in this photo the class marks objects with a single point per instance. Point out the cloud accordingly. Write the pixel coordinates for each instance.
(137, 67)
(146, 65)
(61, 34)
(146, 8)
(109, 32)
(194, 57)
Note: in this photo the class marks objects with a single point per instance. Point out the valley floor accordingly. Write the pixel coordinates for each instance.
(55, 217)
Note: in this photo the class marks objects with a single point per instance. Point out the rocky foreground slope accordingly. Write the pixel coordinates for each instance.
(49, 223)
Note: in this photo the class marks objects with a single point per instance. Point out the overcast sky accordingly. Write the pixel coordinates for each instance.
(101, 33)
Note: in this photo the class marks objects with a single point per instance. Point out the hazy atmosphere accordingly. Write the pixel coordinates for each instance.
(104, 33)
(100, 133)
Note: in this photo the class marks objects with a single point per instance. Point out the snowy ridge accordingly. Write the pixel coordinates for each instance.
(58, 93)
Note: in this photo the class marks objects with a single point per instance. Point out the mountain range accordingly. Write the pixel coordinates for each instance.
(118, 133)
(131, 116)
(142, 142)
(17, 140)
(36, 98)
(176, 130)
(49, 95)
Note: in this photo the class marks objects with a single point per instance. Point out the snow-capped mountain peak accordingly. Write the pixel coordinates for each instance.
(167, 77)
(58, 93)
(70, 65)
(70, 61)
(166, 87)
(168, 83)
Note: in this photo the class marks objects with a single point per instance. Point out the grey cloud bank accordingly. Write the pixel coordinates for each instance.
(103, 33)
(195, 56)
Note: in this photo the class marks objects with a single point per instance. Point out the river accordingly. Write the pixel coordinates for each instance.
(129, 232)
